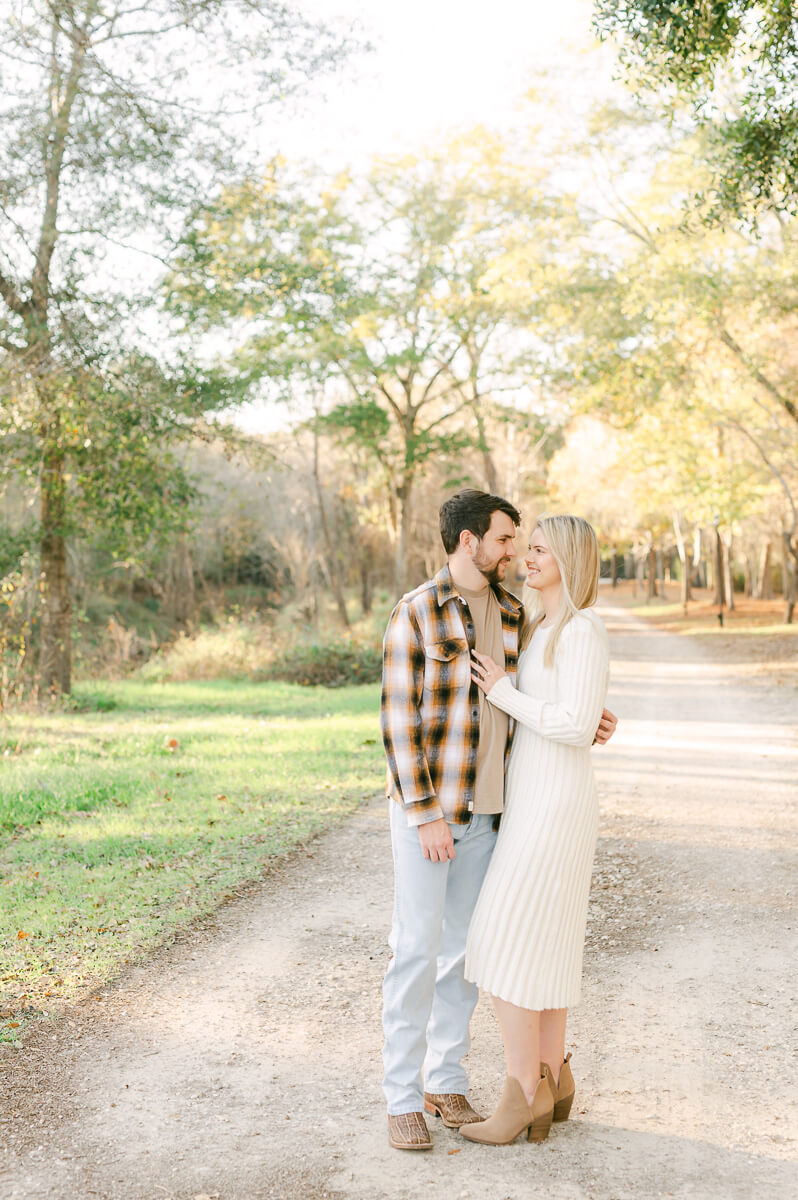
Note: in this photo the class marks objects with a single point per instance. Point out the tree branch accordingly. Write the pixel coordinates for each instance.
(395, 407)
(443, 367)
(756, 374)
(440, 420)
(772, 468)
(11, 296)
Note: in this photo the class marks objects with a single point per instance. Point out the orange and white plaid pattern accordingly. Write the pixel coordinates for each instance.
(429, 713)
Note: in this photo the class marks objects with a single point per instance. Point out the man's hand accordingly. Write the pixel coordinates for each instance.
(606, 729)
(437, 843)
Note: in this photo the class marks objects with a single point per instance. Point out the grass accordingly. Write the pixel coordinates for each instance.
(142, 807)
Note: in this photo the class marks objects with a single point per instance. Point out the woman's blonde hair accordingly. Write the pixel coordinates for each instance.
(574, 545)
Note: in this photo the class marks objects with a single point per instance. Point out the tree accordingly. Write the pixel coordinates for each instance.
(409, 296)
(736, 63)
(99, 149)
(683, 335)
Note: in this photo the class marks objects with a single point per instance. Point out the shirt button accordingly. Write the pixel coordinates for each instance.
(475, 713)
(471, 806)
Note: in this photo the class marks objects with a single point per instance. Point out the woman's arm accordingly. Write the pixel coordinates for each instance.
(582, 677)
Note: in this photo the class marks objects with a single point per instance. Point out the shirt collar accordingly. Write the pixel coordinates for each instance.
(446, 590)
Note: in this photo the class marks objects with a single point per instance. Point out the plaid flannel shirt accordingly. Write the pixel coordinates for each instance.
(429, 713)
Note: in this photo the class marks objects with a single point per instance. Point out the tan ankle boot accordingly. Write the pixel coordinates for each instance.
(563, 1091)
(515, 1115)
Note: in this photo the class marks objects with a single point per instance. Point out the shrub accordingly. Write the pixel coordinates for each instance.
(243, 646)
(330, 662)
(20, 624)
(238, 648)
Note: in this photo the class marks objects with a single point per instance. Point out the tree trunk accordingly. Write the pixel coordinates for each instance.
(718, 572)
(366, 569)
(790, 548)
(651, 591)
(55, 661)
(640, 570)
(749, 584)
(685, 590)
(614, 565)
(728, 572)
(180, 595)
(476, 400)
(764, 584)
(331, 564)
(488, 465)
(366, 594)
(697, 565)
(403, 540)
(687, 567)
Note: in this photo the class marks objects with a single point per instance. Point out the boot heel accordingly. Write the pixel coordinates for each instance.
(562, 1108)
(539, 1129)
(430, 1108)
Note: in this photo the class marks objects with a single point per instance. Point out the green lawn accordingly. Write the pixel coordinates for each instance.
(145, 804)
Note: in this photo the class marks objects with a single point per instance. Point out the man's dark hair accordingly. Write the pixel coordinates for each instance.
(471, 510)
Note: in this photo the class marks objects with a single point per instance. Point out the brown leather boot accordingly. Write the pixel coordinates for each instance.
(408, 1131)
(452, 1107)
(515, 1115)
(563, 1091)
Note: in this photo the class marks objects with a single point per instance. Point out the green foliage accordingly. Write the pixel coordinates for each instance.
(13, 546)
(744, 48)
(114, 429)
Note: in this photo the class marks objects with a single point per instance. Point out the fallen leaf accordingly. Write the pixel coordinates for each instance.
(452, 1151)
(22, 934)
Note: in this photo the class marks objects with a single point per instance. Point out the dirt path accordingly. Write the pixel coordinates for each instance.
(243, 1063)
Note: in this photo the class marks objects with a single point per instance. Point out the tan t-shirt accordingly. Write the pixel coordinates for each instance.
(489, 787)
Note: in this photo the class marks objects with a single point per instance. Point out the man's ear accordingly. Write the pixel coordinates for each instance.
(468, 541)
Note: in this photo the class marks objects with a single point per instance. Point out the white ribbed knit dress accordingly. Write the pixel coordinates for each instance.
(527, 934)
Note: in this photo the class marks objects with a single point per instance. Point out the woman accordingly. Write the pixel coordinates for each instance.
(526, 937)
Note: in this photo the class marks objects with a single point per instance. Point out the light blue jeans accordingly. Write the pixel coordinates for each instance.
(427, 1002)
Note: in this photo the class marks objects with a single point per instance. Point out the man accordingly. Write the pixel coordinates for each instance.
(447, 750)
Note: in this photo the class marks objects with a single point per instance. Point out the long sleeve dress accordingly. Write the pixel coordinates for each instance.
(526, 938)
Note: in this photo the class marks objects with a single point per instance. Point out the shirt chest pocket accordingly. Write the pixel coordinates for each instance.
(446, 651)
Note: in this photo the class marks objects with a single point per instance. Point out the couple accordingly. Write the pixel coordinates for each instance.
(453, 716)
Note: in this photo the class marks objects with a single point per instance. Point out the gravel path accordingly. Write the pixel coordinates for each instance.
(243, 1062)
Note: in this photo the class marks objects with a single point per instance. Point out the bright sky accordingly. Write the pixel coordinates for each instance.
(444, 64)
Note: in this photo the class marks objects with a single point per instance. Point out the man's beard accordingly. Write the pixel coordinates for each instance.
(490, 569)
